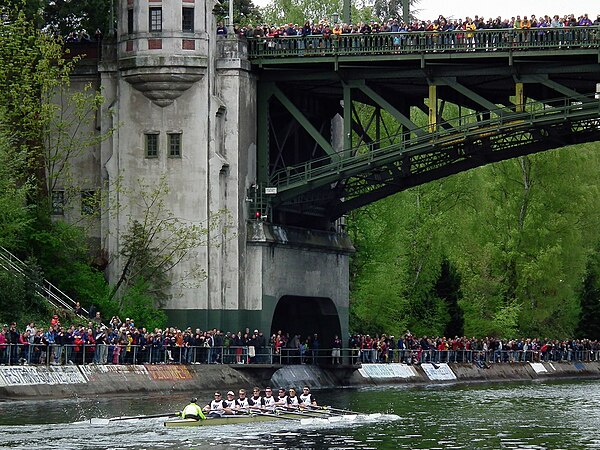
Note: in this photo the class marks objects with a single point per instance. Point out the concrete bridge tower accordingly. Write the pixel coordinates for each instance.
(184, 104)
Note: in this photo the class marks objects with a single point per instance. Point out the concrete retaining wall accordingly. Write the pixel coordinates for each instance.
(68, 381)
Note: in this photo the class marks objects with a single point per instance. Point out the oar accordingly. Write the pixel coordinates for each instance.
(274, 415)
(299, 412)
(343, 411)
(100, 421)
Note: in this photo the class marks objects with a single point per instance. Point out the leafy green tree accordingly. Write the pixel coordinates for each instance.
(447, 288)
(15, 214)
(245, 12)
(157, 240)
(384, 9)
(589, 320)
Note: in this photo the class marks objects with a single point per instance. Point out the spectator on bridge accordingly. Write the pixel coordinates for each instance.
(221, 29)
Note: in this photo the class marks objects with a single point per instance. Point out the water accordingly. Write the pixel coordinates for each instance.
(557, 415)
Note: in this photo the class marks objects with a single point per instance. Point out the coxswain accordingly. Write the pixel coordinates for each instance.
(306, 398)
(242, 404)
(268, 401)
(292, 399)
(217, 407)
(193, 411)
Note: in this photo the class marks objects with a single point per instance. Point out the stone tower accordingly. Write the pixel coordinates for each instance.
(183, 103)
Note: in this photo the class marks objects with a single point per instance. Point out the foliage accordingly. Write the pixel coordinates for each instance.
(385, 9)
(518, 244)
(29, 307)
(15, 214)
(244, 12)
(589, 320)
(157, 240)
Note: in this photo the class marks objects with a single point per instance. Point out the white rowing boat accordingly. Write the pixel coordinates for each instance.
(302, 417)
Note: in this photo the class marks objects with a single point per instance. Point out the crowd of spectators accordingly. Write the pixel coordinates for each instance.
(122, 342)
(412, 350)
(393, 25)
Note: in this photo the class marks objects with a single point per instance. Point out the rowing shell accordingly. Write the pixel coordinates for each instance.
(230, 420)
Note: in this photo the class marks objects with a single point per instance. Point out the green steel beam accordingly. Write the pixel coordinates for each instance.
(560, 88)
(389, 108)
(264, 94)
(487, 105)
(347, 117)
(305, 123)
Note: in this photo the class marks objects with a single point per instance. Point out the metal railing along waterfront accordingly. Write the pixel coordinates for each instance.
(54, 354)
(507, 40)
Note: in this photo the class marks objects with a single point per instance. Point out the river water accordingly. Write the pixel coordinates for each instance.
(535, 415)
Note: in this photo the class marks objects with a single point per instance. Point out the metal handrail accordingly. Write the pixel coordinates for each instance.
(416, 141)
(46, 290)
(503, 40)
(64, 354)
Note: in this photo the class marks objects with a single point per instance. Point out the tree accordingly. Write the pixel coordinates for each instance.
(15, 214)
(384, 9)
(447, 288)
(156, 241)
(589, 320)
(245, 12)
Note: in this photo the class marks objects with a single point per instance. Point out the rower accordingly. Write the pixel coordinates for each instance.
(193, 411)
(292, 399)
(268, 401)
(217, 407)
(256, 399)
(282, 398)
(242, 404)
(230, 403)
(306, 398)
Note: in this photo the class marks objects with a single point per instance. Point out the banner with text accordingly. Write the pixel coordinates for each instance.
(438, 372)
(29, 375)
(393, 370)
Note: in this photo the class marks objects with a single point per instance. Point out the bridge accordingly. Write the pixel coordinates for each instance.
(437, 104)
(516, 92)
(290, 134)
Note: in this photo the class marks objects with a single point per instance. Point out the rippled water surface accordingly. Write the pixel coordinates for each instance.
(562, 415)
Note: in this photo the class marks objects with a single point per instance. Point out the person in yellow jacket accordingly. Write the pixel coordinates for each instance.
(193, 411)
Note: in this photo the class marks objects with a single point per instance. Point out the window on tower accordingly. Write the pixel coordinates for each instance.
(187, 19)
(155, 19)
(89, 203)
(174, 143)
(151, 145)
(58, 203)
(130, 21)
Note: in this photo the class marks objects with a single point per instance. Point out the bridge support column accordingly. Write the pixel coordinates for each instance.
(519, 97)
(298, 280)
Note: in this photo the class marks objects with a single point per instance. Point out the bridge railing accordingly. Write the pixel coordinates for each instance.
(504, 40)
(414, 141)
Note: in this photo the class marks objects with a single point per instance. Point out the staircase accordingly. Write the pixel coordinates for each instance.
(46, 290)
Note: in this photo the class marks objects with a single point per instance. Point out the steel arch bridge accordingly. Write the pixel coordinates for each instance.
(338, 121)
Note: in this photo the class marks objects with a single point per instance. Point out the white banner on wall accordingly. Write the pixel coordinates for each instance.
(538, 367)
(438, 371)
(30, 375)
(393, 370)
